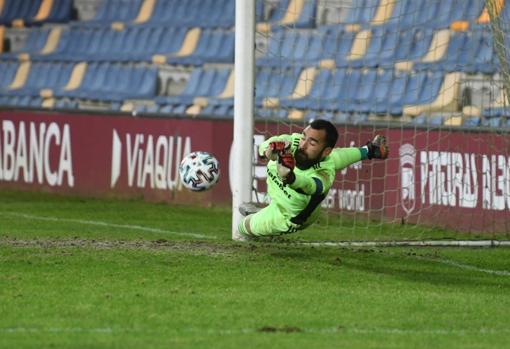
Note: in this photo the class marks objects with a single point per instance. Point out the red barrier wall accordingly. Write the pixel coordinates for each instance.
(456, 179)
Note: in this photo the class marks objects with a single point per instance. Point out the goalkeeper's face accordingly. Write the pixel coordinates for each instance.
(312, 148)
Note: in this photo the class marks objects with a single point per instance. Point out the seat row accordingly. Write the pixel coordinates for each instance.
(204, 13)
(97, 81)
(365, 91)
(29, 12)
(427, 49)
(469, 51)
(432, 120)
(350, 90)
(178, 45)
(294, 13)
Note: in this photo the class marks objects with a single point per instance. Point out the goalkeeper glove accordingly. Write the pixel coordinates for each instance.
(276, 148)
(285, 168)
(377, 148)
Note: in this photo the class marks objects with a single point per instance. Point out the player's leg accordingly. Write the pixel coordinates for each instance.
(267, 222)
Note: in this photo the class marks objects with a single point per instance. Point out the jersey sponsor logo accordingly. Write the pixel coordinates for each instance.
(36, 152)
(279, 183)
(149, 161)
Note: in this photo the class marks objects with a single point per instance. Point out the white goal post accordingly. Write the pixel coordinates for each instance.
(243, 109)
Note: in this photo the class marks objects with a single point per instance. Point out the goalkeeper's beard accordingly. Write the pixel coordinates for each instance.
(303, 162)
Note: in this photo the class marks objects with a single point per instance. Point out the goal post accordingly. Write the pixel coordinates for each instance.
(242, 149)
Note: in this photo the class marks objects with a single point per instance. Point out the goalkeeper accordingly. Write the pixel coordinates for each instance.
(300, 172)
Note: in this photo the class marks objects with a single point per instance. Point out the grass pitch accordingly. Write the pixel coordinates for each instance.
(83, 273)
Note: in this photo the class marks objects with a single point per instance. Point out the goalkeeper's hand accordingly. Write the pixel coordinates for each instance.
(377, 148)
(274, 149)
(285, 168)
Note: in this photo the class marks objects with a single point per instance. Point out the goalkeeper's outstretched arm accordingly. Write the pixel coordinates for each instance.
(375, 149)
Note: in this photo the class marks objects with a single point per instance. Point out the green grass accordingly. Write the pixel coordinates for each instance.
(74, 283)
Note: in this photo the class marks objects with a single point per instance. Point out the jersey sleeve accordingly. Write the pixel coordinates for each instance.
(343, 157)
(315, 183)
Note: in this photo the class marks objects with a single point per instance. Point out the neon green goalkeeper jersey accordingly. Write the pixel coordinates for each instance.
(300, 200)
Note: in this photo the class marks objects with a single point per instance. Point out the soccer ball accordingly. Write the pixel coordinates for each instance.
(199, 171)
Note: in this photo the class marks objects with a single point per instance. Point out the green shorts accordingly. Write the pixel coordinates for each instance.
(270, 221)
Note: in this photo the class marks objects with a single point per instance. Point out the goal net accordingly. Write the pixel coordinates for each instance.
(430, 75)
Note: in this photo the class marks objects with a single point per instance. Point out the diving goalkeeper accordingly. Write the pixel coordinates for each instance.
(300, 172)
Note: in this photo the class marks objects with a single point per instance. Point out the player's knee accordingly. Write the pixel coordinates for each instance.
(244, 227)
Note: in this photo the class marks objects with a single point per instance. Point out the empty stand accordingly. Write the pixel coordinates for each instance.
(367, 60)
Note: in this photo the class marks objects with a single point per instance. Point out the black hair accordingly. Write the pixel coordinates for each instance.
(331, 132)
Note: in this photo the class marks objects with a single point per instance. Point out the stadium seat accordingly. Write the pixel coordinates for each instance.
(208, 83)
(8, 71)
(280, 83)
(19, 11)
(290, 13)
(382, 48)
(53, 11)
(105, 81)
(195, 13)
(472, 121)
(438, 93)
(44, 76)
(117, 10)
(492, 122)
(362, 12)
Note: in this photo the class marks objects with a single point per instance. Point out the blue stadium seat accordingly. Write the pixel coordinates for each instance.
(472, 121)
(135, 43)
(352, 84)
(44, 75)
(496, 112)
(214, 46)
(280, 83)
(194, 13)
(273, 114)
(35, 42)
(365, 91)
(306, 17)
(471, 9)
(279, 11)
(377, 94)
(317, 93)
(7, 73)
(117, 10)
(362, 12)
(16, 9)
(383, 103)
(337, 45)
(405, 14)
(412, 45)
(113, 82)
(342, 118)
(493, 122)
(382, 47)
(469, 52)
(61, 11)
(202, 83)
